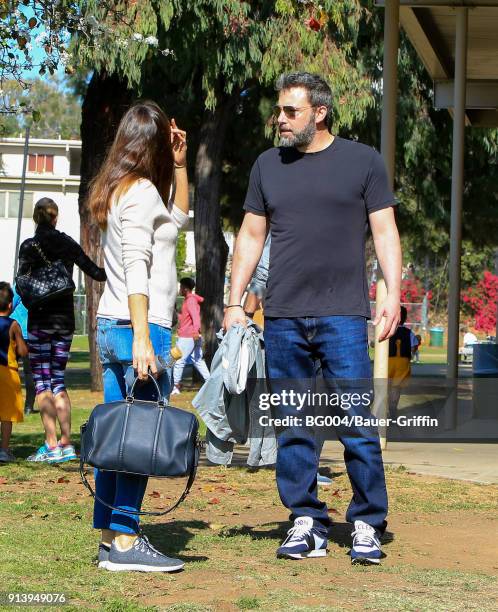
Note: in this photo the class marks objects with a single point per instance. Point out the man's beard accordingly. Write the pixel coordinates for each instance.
(302, 138)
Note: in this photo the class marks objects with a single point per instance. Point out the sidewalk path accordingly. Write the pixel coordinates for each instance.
(461, 461)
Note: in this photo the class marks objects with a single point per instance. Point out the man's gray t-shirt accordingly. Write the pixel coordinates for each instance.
(318, 206)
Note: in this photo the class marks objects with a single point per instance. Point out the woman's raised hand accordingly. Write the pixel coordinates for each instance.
(179, 144)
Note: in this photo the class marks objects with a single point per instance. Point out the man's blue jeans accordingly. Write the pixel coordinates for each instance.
(340, 344)
(114, 340)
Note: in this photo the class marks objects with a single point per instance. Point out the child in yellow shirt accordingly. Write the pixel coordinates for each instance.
(12, 346)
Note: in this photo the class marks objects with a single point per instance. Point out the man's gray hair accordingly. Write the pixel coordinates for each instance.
(319, 92)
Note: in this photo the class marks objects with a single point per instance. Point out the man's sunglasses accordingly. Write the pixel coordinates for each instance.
(289, 111)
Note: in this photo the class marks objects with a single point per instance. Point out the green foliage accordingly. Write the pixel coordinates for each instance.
(181, 253)
(229, 45)
(423, 167)
(57, 112)
(9, 126)
(474, 261)
(118, 42)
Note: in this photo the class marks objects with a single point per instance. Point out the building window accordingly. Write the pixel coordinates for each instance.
(9, 204)
(41, 163)
(74, 162)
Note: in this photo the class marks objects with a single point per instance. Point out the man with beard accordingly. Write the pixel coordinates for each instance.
(317, 194)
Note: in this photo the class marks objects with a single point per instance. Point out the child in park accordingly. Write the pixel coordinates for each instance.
(12, 346)
(416, 354)
(189, 334)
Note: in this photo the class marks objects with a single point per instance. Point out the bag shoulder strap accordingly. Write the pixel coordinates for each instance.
(37, 246)
(188, 486)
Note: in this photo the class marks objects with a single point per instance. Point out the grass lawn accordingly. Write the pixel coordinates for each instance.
(428, 354)
(439, 545)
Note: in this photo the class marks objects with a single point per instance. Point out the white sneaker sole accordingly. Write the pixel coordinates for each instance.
(132, 567)
(102, 564)
(322, 552)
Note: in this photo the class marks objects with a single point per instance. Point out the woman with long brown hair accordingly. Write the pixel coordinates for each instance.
(130, 200)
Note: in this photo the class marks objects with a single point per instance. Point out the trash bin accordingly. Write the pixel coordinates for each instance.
(436, 336)
(485, 387)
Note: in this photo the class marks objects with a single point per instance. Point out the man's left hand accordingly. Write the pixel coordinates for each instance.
(390, 313)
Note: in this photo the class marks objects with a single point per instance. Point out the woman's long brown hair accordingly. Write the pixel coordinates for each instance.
(141, 149)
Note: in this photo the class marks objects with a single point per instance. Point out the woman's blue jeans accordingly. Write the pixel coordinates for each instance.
(114, 341)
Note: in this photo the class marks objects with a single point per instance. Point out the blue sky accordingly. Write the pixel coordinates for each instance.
(37, 53)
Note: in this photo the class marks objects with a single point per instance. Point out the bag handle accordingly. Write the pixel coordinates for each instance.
(188, 486)
(41, 253)
(130, 397)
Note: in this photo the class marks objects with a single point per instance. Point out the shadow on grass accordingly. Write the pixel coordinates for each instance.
(25, 444)
(173, 538)
(77, 379)
(79, 357)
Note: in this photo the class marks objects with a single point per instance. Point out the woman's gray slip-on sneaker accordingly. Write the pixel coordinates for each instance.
(103, 557)
(141, 557)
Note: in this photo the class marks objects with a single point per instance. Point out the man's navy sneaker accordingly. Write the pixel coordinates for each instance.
(366, 548)
(303, 541)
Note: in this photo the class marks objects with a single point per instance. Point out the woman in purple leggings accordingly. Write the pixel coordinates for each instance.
(50, 331)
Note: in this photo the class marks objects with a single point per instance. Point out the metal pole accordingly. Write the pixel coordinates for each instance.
(457, 173)
(388, 149)
(21, 201)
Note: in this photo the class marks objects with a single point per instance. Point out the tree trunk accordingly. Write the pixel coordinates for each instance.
(211, 250)
(106, 100)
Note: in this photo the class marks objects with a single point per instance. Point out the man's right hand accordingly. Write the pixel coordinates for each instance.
(232, 316)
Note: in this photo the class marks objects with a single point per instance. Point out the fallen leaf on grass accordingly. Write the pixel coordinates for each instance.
(336, 493)
(332, 511)
(3, 480)
(155, 494)
(62, 480)
(214, 500)
(216, 526)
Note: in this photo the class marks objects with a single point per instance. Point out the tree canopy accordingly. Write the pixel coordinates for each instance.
(212, 65)
(58, 109)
